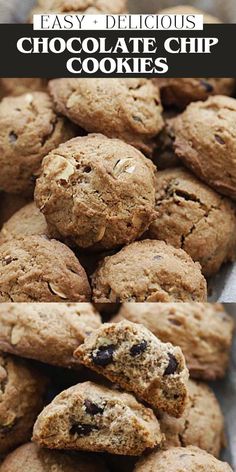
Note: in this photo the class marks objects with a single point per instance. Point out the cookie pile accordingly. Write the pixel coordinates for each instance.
(134, 404)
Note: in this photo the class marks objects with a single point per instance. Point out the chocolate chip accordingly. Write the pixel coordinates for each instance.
(136, 118)
(207, 86)
(82, 429)
(219, 139)
(104, 355)
(157, 258)
(93, 409)
(87, 169)
(137, 349)
(172, 366)
(12, 137)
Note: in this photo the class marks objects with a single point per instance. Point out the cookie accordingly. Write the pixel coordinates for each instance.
(181, 459)
(30, 458)
(28, 221)
(47, 332)
(180, 92)
(29, 129)
(94, 418)
(164, 156)
(204, 326)
(97, 192)
(15, 87)
(189, 10)
(151, 271)
(192, 216)
(37, 269)
(205, 140)
(21, 399)
(128, 109)
(201, 425)
(131, 356)
(10, 203)
(79, 6)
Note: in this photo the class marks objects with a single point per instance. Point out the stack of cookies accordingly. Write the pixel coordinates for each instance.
(120, 388)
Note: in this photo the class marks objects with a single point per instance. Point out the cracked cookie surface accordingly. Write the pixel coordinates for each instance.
(205, 326)
(38, 269)
(195, 218)
(95, 418)
(97, 192)
(128, 109)
(205, 140)
(21, 399)
(131, 356)
(47, 332)
(29, 129)
(149, 271)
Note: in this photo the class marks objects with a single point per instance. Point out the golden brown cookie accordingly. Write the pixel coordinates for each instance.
(205, 139)
(149, 271)
(47, 332)
(204, 332)
(31, 458)
(28, 221)
(21, 399)
(19, 86)
(29, 129)
(37, 269)
(195, 218)
(97, 192)
(189, 10)
(201, 425)
(128, 109)
(94, 418)
(80, 6)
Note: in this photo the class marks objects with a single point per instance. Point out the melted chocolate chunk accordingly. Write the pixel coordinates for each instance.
(82, 429)
(207, 86)
(12, 137)
(93, 409)
(172, 366)
(138, 349)
(104, 355)
(219, 139)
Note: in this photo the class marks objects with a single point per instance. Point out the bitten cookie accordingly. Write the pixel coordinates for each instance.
(29, 129)
(149, 271)
(181, 459)
(195, 218)
(202, 423)
(21, 399)
(189, 10)
(38, 269)
(181, 92)
(128, 109)
(47, 332)
(131, 356)
(19, 86)
(28, 221)
(97, 192)
(30, 458)
(204, 332)
(94, 418)
(205, 139)
(80, 6)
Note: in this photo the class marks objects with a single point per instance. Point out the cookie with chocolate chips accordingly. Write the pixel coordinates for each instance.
(94, 418)
(131, 356)
(97, 192)
(21, 399)
(29, 129)
(128, 109)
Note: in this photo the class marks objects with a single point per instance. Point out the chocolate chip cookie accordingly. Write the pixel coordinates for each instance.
(37, 269)
(202, 423)
(205, 140)
(29, 129)
(28, 221)
(204, 332)
(149, 271)
(178, 459)
(131, 356)
(128, 109)
(80, 6)
(21, 399)
(195, 218)
(188, 10)
(31, 458)
(97, 192)
(19, 86)
(47, 332)
(95, 418)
